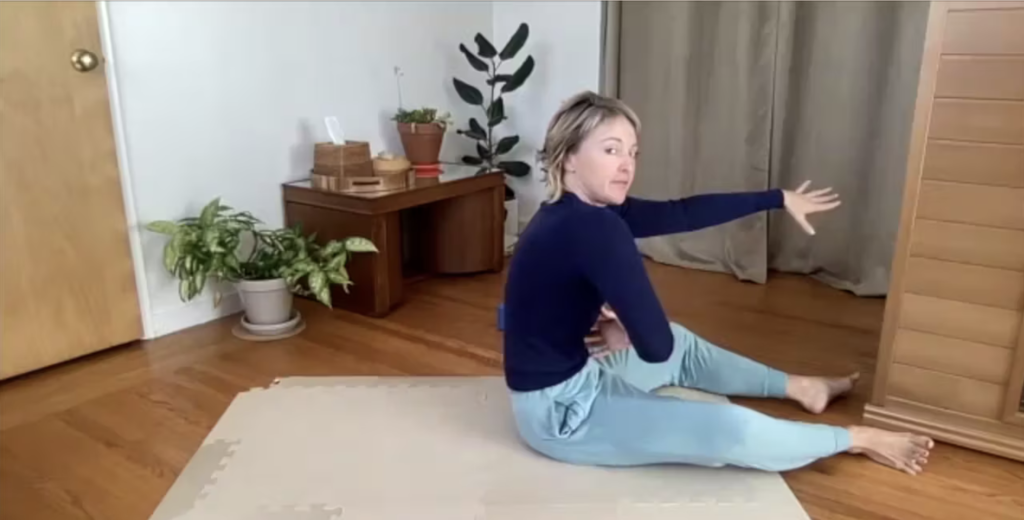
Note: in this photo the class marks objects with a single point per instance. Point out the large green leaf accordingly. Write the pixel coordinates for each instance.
(484, 47)
(515, 168)
(475, 126)
(164, 227)
(474, 62)
(496, 113)
(231, 261)
(467, 92)
(184, 290)
(338, 262)
(506, 144)
(482, 151)
(333, 248)
(472, 161)
(475, 130)
(318, 284)
(211, 237)
(171, 255)
(305, 266)
(360, 245)
(210, 212)
(519, 76)
(516, 42)
(317, 281)
(198, 283)
(340, 279)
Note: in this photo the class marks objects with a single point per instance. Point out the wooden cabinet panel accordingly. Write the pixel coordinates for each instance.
(984, 32)
(981, 77)
(972, 204)
(984, 121)
(989, 325)
(953, 356)
(969, 396)
(992, 247)
(978, 163)
(966, 283)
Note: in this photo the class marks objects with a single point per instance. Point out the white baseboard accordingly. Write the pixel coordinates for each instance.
(195, 312)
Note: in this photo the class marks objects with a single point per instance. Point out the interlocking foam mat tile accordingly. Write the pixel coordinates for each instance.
(431, 448)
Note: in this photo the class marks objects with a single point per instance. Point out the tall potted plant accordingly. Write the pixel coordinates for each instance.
(488, 60)
(278, 263)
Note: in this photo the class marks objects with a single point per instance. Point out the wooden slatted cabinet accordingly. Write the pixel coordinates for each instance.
(951, 358)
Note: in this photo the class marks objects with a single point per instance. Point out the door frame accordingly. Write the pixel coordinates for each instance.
(124, 169)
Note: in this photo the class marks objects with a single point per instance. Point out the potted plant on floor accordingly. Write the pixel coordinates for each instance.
(488, 60)
(275, 264)
(422, 131)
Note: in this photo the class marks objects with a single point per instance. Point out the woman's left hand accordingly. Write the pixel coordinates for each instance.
(801, 203)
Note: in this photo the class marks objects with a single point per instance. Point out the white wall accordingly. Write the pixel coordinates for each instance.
(226, 99)
(565, 41)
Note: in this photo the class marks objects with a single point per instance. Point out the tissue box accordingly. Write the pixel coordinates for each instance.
(351, 159)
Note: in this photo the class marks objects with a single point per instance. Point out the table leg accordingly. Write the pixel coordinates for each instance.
(466, 234)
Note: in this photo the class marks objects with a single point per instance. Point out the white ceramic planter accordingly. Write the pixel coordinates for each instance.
(266, 302)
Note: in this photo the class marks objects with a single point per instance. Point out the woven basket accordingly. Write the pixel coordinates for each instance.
(351, 159)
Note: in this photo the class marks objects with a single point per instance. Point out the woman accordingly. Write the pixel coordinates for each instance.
(578, 255)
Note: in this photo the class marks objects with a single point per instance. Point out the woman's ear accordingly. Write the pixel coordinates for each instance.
(569, 165)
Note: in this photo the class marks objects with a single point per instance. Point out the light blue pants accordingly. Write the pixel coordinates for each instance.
(607, 414)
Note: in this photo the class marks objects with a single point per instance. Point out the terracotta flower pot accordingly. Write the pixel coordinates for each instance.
(422, 142)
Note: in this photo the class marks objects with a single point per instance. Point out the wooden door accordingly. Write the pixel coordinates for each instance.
(67, 287)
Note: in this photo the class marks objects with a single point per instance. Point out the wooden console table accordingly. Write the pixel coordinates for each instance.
(446, 225)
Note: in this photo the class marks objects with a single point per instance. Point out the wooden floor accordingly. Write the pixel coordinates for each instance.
(104, 437)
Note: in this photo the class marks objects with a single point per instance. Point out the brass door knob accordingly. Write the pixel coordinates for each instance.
(83, 60)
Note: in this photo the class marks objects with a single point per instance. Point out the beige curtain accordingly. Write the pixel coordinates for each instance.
(739, 96)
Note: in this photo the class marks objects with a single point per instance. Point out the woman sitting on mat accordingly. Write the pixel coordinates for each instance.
(578, 254)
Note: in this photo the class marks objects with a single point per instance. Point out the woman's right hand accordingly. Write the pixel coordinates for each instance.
(613, 336)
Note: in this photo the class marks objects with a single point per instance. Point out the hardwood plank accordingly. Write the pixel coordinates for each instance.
(969, 396)
(978, 121)
(985, 32)
(966, 283)
(138, 413)
(969, 244)
(981, 77)
(989, 325)
(978, 163)
(972, 204)
(953, 356)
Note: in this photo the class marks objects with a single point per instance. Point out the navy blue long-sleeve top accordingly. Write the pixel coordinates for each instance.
(573, 257)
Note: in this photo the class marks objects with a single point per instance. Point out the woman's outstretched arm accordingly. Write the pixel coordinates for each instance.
(647, 218)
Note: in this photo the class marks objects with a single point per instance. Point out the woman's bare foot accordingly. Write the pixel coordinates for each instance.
(815, 393)
(904, 451)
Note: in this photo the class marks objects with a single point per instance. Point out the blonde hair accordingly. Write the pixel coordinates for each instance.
(570, 126)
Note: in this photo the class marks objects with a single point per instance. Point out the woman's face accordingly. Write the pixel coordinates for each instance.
(601, 171)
